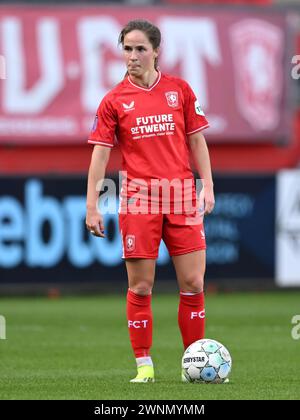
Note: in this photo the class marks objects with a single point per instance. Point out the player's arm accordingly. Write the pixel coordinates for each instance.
(202, 161)
(99, 160)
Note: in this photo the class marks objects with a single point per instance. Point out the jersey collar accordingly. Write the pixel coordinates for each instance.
(146, 89)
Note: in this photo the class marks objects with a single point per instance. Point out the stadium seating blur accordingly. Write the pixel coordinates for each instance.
(156, 2)
(145, 2)
(219, 2)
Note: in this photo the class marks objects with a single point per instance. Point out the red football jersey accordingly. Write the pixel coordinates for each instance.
(151, 127)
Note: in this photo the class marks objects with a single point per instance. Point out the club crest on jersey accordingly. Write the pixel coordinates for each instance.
(130, 243)
(128, 107)
(172, 99)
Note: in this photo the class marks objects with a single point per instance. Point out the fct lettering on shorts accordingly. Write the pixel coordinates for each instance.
(200, 314)
(138, 324)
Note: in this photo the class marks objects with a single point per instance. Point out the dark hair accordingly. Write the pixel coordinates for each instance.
(151, 31)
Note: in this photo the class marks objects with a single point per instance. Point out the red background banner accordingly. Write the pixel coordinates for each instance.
(61, 61)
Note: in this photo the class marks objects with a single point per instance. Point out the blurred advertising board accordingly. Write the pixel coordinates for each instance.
(240, 231)
(288, 228)
(61, 61)
(43, 238)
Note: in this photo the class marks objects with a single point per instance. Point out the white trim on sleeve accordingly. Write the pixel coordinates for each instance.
(198, 129)
(100, 142)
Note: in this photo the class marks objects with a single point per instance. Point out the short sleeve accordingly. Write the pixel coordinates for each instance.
(104, 127)
(194, 116)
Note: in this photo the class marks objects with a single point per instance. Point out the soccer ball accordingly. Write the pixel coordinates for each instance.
(206, 361)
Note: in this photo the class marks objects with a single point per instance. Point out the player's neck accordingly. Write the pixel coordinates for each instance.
(146, 80)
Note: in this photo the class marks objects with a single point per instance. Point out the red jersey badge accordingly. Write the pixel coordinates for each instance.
(172, 98)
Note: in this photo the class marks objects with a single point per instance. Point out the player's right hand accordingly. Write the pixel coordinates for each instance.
(94, 223)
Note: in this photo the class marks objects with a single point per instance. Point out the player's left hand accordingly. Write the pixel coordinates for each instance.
(207, 198)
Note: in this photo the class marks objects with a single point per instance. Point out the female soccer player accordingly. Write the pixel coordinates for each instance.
(156, 119)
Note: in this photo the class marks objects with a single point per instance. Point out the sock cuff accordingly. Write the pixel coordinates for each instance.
(140, 300)
(192, 299)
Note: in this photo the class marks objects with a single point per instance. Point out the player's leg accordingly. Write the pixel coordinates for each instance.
(190, 269)
(185, 240)
(141, 236)
(141, 274)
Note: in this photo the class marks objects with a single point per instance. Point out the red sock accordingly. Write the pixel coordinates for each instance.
(139, 316)
(191, 317)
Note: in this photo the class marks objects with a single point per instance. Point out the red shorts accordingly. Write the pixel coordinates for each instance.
(142, 233)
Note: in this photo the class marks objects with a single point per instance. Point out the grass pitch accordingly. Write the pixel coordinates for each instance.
(78, 348)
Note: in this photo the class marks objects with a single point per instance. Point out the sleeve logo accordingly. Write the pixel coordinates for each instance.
(198, 109)
(95, 124)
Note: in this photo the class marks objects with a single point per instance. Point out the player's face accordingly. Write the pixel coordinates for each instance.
(138, 53)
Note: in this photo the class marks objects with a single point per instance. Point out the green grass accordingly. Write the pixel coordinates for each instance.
(78, 348)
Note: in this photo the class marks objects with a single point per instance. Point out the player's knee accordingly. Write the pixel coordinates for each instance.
(142, 291)
(193, 283)
(143, 287)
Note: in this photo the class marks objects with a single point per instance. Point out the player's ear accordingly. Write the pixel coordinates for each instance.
(156, 52)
